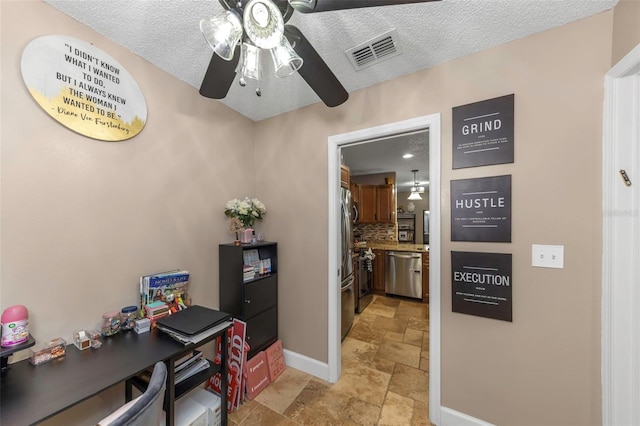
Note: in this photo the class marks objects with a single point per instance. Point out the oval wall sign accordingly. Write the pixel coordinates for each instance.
(83, 88)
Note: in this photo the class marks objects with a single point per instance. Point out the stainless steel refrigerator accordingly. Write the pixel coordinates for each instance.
(347, 292)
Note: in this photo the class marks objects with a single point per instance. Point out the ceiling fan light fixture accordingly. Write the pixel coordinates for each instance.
(223, 33)
(303, 5)
(250, 61)
(285, 60)
(263, 23)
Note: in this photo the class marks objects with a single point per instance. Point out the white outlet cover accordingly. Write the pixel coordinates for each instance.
(547, 256)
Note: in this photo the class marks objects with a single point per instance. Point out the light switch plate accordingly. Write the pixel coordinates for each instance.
(546, 256)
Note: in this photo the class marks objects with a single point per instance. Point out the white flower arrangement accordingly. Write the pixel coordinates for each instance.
(248, 210)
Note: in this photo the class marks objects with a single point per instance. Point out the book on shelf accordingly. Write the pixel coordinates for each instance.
(193, 368)
(250, 257)
(193, 358)
(186, 357)
(248, 273)
(257, 268)
(156, 310)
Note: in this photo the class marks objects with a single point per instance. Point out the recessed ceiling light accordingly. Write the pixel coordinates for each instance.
(407, 156)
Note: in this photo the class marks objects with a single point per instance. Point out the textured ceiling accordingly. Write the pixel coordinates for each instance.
(167, 34)
(385, 155)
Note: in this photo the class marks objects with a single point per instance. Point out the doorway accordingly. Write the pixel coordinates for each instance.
(432, 124)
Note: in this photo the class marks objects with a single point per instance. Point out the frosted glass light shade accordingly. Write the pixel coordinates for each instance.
(223, 33)
(285, 60)
(414, 196)
(250, 61)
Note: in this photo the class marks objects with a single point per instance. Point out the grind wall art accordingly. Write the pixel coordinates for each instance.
(483, 133)
(83, 88)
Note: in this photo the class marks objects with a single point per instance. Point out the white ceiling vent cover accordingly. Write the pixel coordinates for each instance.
(376, 50)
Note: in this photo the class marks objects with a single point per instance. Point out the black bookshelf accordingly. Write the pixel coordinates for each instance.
(253, 300)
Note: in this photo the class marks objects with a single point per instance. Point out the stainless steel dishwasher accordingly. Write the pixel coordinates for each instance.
(403, 274)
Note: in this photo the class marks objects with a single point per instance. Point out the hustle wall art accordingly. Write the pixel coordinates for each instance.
(483, 133)
(481, 209)
(482, 284)
(83, 88)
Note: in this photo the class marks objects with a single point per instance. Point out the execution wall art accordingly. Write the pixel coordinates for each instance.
(481, 284)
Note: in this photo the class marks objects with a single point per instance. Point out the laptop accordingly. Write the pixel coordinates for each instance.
(193, 320)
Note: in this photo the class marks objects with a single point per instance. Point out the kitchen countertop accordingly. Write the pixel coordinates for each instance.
(395, 246)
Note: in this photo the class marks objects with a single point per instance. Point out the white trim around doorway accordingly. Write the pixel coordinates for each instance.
(621, 244)
(432, 123)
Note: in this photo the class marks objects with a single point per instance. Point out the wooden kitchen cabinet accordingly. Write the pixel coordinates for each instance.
(378, 271)
(367, 203)
(386, 206)
(355, 192)
(344, 176)
(376, 203)
(425, 277)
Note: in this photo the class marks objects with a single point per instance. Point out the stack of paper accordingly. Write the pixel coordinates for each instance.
(193, 366)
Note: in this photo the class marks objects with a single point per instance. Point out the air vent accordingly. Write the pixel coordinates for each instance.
(375, 50)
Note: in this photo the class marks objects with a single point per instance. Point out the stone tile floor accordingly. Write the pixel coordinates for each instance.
(384, 381)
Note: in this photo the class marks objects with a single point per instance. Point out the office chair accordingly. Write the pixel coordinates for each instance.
(146, 410)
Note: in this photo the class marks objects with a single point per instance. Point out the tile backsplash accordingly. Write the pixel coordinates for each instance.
(376, 231)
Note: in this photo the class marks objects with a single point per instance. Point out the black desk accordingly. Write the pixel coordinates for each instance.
(30, 394)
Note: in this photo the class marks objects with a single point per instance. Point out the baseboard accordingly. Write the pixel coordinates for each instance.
(306, 364)
(449, 417)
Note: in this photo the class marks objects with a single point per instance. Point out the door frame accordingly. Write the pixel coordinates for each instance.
(621, 244)
(432, 123)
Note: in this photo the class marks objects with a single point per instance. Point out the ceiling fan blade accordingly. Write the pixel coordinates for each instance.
(219, 76)
(311, 6)
(315, 71)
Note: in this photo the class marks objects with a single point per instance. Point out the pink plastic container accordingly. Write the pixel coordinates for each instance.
(15, 325)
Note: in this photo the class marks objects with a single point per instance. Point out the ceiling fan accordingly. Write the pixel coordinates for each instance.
(248, 28)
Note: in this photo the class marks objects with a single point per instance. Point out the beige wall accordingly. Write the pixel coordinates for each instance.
(82, 219)
(544, 367)
(626, 28)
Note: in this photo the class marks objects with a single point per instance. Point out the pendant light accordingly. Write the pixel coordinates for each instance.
(415, 189)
